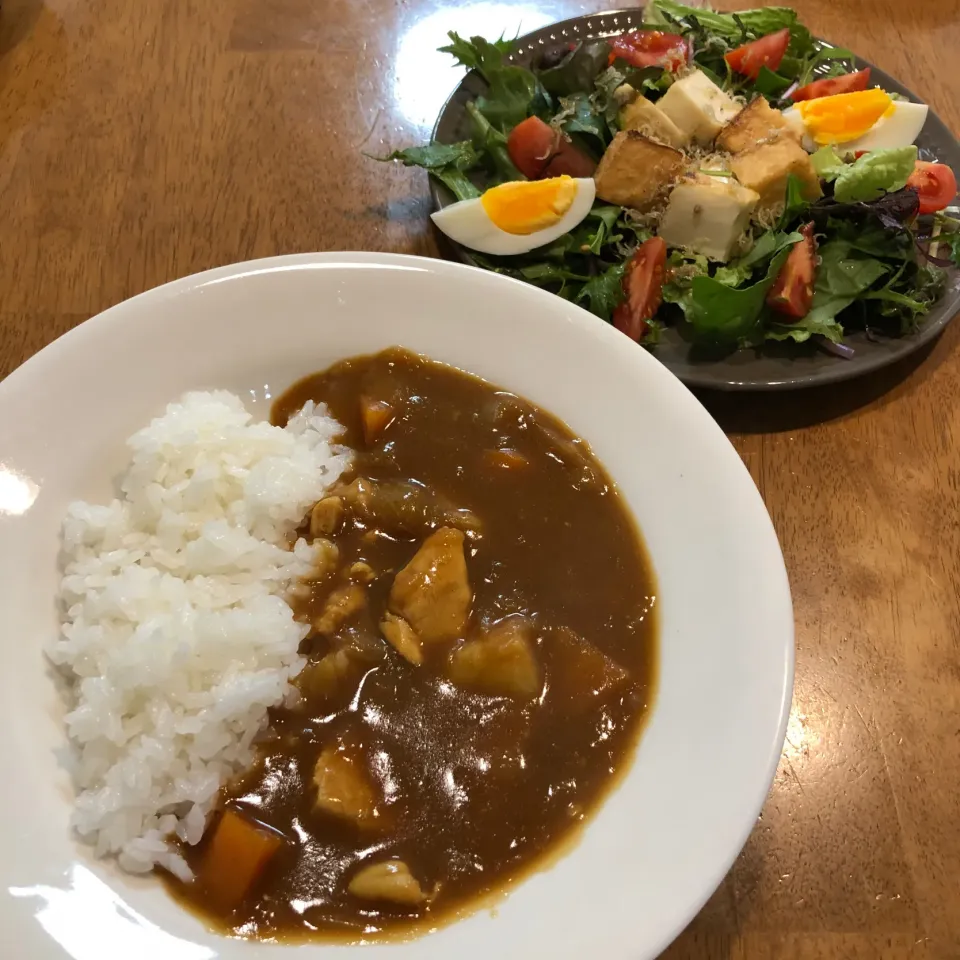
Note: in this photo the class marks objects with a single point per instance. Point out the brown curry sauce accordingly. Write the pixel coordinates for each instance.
(470, 789)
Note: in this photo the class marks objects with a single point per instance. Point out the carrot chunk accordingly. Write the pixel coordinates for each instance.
(235, 858)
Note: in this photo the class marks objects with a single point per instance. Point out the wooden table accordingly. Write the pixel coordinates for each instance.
(142, 141)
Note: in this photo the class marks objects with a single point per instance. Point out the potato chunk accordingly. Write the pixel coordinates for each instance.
(582, 672)
(756, 123)
(500, 663)
(634, 170)
(343, 787)
(341, 605)
(432, 592)
(402, 637)
(326, 516)
(388, 880)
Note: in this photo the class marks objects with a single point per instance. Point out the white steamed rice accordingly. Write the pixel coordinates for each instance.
(176, 636)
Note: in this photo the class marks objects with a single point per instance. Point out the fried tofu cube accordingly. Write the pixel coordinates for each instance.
(707, 215)
(647, 118)
(766, 168)
(635, 170)
(698, 107)
(755, 124)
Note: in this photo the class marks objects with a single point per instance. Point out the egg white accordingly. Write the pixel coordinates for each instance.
(899, 128)
(467, 223)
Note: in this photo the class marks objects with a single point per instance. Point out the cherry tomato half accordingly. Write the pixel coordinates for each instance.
(650, 48)
(766, 51)
(792, 291)
(643, 287)
(828, 86)
(936, 184)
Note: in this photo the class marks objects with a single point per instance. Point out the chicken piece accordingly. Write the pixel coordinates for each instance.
(432, 592)
(766, 169)
(387, 880)
(403, 638)
(404, 508)
(376, 416)
(361, 572)
(580, 672)
(755, 124)
(333, 679)
(500, 663)
(635, 171)
(341, 605)
(343, 787)
(647, 118)
(326, 517)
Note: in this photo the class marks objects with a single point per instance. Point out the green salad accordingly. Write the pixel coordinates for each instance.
(723, 172)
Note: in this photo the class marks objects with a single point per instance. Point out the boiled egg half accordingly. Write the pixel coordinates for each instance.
(518, 216)
(864, 120)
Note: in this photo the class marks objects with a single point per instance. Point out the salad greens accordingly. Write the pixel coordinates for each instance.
(871, 272)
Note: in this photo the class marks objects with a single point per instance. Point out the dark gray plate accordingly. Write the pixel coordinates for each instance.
(773, 367)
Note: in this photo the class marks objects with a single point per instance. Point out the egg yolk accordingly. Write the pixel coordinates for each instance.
(526, 206)
(844, 116)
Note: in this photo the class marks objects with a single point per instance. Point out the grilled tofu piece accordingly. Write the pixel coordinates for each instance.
(647, 118)
(635, 170)
(766, 168)
(755, 124)
(698, 107)
(707, 215)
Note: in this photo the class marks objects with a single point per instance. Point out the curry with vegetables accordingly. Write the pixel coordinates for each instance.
(482, 656)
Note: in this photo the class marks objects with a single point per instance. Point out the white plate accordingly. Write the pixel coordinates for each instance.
(663, 840)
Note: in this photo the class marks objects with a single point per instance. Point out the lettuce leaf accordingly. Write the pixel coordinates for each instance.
(874, 174)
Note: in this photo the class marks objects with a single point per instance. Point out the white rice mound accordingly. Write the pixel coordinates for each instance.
(176, 635)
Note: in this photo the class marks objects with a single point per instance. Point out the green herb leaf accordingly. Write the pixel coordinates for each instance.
(577, 70)
(491, 144)
(805, 328)
(875, 173)
(581, 116)
(722, 314)
(794, 203)
(841, 278)
(445, 161)
(769, 83)
(602, 294)
(512, 89)
(768, 245)
(605, 217)
(827, 163)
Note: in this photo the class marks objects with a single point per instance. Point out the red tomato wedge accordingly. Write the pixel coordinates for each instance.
(570, 160)
(538, 150)
(766, 51)
(650, 48)
(936, 184)
(792, 291)
(532, 145)
(643, 288)
(828, 86)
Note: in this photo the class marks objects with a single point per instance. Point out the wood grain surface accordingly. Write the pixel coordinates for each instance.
(142, 141)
